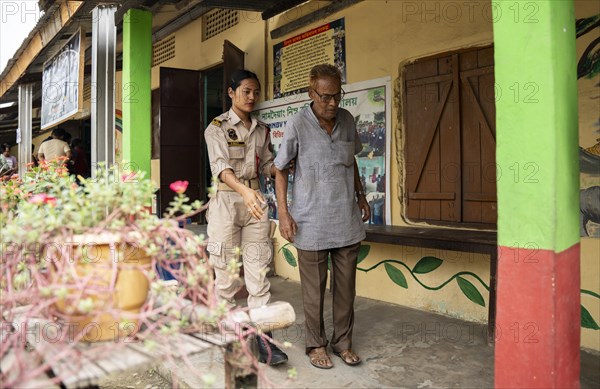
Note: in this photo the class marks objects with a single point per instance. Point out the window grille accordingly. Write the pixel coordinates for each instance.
(219, 20)
(163, 51)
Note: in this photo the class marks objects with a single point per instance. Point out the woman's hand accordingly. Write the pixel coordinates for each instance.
(254, 202)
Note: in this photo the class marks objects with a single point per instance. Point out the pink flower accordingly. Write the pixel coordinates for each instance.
(128, 177)
(42, 198)
(179, 186)
(38, 199)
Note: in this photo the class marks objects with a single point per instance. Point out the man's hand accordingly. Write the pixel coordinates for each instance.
(365, 210)
(287, 226)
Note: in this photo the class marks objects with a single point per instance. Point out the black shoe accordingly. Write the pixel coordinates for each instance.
(277, 356)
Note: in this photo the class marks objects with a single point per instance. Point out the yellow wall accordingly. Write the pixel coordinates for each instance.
(589, 113)
(192, 53)
(380, 36)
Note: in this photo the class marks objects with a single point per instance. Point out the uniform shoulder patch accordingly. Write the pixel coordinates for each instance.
(216, 122)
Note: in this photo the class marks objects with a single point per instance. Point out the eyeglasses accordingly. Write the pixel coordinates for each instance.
(327, 98)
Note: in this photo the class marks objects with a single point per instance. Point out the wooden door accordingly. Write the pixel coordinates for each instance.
(233, 59)
(182, 147)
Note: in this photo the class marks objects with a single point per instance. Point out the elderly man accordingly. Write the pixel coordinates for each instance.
(325, 217)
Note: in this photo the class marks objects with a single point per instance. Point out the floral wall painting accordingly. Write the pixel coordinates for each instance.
(588, 70)
(470, 284)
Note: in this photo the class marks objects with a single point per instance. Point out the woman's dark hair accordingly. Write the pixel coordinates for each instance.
(240, 75)
(5, 146)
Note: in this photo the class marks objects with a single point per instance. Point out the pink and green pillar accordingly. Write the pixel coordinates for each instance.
(538, 308)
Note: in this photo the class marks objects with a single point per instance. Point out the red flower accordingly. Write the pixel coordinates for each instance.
(179, 186)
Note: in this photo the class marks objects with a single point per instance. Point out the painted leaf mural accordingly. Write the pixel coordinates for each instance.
(289, 257)
(363, 252)
(587, 321)
(427, 264)
(583, 26)
(470, 291)
(396, 275)
(589, 63)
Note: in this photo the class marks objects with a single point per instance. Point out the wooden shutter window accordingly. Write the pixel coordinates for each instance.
(450, 138)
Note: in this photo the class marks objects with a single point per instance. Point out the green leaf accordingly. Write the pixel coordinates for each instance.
(470, 291)
(289, 257)
(363, 252)
(589, 63)
(427, 264)
(396, 275)
(583, 26)
(587, 321)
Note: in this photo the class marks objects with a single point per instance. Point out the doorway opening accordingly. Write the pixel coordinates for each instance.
(213, 105)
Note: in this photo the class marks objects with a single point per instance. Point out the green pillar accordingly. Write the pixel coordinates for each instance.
(136, 89)
(538, 323)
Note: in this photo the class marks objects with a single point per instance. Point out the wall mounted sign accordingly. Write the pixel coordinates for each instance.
(62, 83)
(294, 57)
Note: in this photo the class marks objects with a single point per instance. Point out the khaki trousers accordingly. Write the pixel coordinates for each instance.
(313, 279)
(234, 234)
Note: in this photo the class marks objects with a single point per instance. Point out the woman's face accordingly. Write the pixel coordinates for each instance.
(246, 95)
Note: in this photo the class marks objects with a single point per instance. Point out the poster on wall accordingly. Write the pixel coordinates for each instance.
(294, 57)
(62, 82)
(370, 104)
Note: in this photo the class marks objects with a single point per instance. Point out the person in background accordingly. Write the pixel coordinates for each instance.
(239, 149)
(326, 219)
(78, 165)
(11, 160)
(55, 147)
(5, 166)
(34, 160)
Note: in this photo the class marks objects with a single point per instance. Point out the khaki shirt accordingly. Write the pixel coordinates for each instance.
(53, 148)
(232, 146)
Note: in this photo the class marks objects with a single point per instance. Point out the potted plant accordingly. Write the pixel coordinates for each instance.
(83, 253)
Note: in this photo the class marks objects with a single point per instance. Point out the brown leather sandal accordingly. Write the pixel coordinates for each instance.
(319, 358)
(349, 357)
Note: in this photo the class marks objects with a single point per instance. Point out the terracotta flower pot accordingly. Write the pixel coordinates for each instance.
(107, 284)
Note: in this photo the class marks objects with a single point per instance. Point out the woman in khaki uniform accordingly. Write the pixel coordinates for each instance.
(239, 149)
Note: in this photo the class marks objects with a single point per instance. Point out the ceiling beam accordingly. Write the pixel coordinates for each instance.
(312, 17)
(280, 7)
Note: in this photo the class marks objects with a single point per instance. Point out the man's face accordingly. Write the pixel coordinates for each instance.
(326, 98)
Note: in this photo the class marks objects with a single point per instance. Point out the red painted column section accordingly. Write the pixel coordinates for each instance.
(538, 292)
